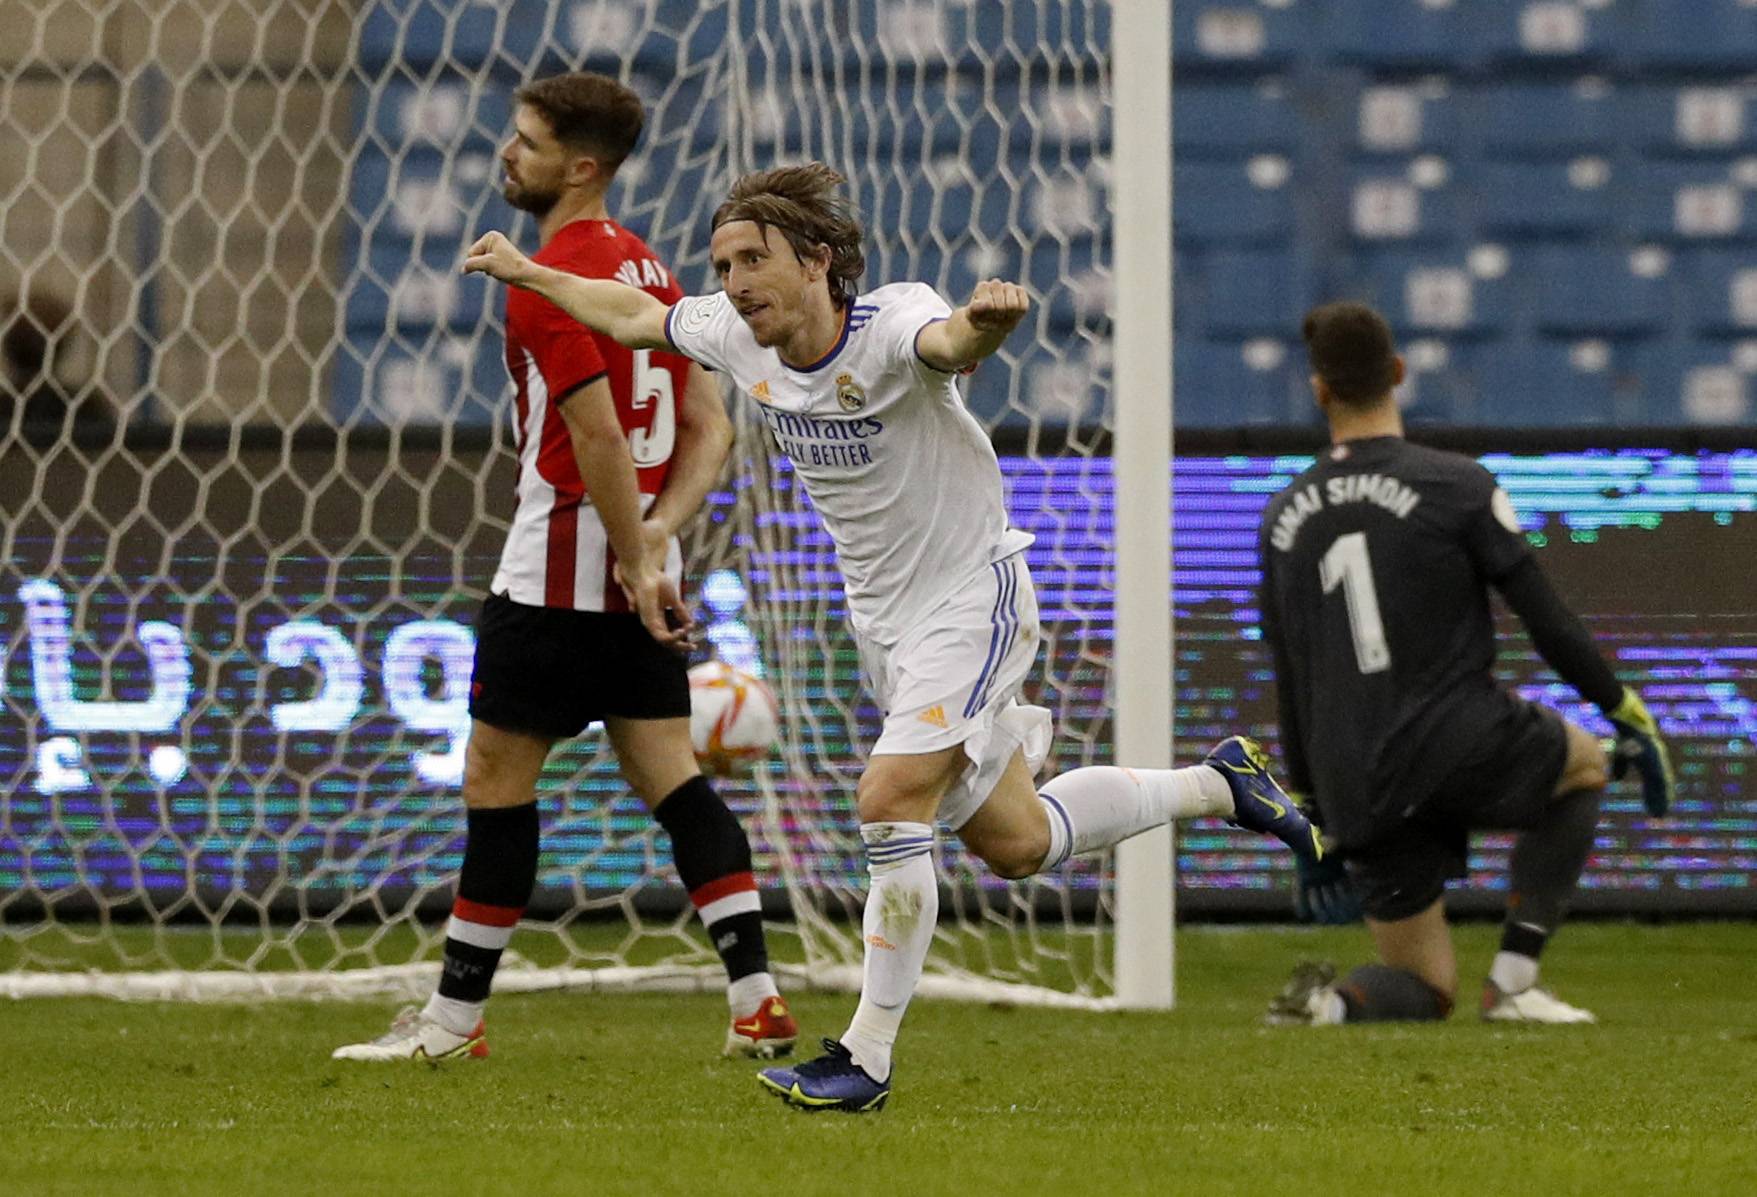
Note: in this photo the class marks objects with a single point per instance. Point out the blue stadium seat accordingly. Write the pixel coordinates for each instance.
(1553, 200)
(415, 35)
(1548, 119)
(1689, 202)
(1548, 384)
(419, 376)
(1720, 296)
(1233, 384)
(1401, 35)
(1237, 35)
(1407, 118)
(1393, 204)
(1600, 291)
(1697, 382)
(1063, 33)
(1694, 120)
(522, 38)
(1438, 387)
(1451, 292)
(422, 194)
(449, 113)
(403, 287)
(1542, 33)
(1044, 384)
(1034, 118)
(944, 197)
(1221, 203)
(1234, 120)
(1692, 35)
(1071, 281)
(1250, 293)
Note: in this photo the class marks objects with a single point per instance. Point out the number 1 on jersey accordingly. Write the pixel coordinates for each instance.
(1346, 564)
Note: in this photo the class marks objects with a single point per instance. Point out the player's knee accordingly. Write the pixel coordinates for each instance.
(1016, 857)
(1592, 774)
(1444, 983)
(1587, 767)
(890, 802)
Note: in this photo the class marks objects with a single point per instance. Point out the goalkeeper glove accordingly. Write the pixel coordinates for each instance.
(1322, 892)
(1639, 747)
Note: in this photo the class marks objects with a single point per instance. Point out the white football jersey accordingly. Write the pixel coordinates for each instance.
(902, 475)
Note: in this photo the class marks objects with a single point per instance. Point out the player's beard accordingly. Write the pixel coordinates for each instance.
(530, 199)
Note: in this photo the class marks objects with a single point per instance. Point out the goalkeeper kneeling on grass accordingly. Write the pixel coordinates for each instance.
(1377, 567)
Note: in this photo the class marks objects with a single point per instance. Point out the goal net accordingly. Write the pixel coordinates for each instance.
(255, 474)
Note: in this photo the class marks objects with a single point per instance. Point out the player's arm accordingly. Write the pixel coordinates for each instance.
(1293, 755)
(1565, 644)
(975, 330)
(625, 314)
(704, 438)
(1321, 891)
(601, 450)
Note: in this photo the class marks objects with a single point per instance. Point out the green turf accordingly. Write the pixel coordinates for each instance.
(596, 1094)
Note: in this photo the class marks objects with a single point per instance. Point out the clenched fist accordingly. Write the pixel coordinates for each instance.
(496, 257)
(997, 306)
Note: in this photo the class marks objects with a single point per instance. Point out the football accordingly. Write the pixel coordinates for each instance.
(733, 718)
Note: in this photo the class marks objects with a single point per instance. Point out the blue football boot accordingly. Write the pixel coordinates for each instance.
(1258, 803)
(833, 1081)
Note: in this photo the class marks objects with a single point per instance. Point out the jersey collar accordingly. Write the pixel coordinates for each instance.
(830, 355)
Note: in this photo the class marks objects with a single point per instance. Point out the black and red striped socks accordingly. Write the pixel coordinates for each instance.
(494, 884)
(712, 855)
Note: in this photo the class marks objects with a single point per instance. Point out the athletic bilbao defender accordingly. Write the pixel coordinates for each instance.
(1377, 567)
(616, 450)
(860, 391)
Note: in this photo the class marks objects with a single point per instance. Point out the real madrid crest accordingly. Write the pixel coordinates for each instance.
(849, 393)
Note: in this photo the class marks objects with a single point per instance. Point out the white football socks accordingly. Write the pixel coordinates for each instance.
(1512, 972)
(1102, 805)
(901, 909)
(458, 1017)
(747, 993)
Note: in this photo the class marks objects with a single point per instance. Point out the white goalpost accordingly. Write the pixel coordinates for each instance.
(1141, 206)
(238, 570)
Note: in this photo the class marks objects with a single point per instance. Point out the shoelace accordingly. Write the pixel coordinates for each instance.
(406, 1023)
(835, 1059)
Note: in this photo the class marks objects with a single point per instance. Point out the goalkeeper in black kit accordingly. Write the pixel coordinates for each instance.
(1377, 567)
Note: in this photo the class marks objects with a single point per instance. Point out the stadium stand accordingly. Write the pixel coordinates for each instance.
(1520, 174)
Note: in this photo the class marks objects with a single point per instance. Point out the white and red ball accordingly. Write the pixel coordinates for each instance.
(733, 718)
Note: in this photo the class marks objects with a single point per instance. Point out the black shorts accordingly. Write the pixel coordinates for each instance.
(551, 671)
(1506, 782)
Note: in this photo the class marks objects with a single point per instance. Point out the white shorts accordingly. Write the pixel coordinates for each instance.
(955, 680)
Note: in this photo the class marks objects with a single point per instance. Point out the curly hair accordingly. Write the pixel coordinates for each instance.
(588, 112)
(803, 203)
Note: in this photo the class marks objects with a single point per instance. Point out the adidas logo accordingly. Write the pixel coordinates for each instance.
(936, 715)
(760, 390)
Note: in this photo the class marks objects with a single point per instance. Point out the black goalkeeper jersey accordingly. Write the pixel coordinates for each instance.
(1377, 563)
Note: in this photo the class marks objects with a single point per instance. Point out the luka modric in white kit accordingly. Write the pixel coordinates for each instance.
(860, 391)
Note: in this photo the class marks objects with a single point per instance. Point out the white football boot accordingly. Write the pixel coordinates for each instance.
(416, 1036)
(1529, 1005)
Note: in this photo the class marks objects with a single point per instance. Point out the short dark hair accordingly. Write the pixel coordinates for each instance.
(1352, 350)
(590, 113)
(802, 202)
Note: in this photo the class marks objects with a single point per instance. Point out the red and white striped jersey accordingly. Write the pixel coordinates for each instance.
(557, 554)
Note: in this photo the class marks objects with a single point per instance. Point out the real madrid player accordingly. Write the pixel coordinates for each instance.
(860, 391)
(616, 449)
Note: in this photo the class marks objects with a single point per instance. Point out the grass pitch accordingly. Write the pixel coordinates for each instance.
(625, 1094)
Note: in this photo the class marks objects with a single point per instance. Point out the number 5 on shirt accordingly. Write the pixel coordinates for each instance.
(653, 389)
